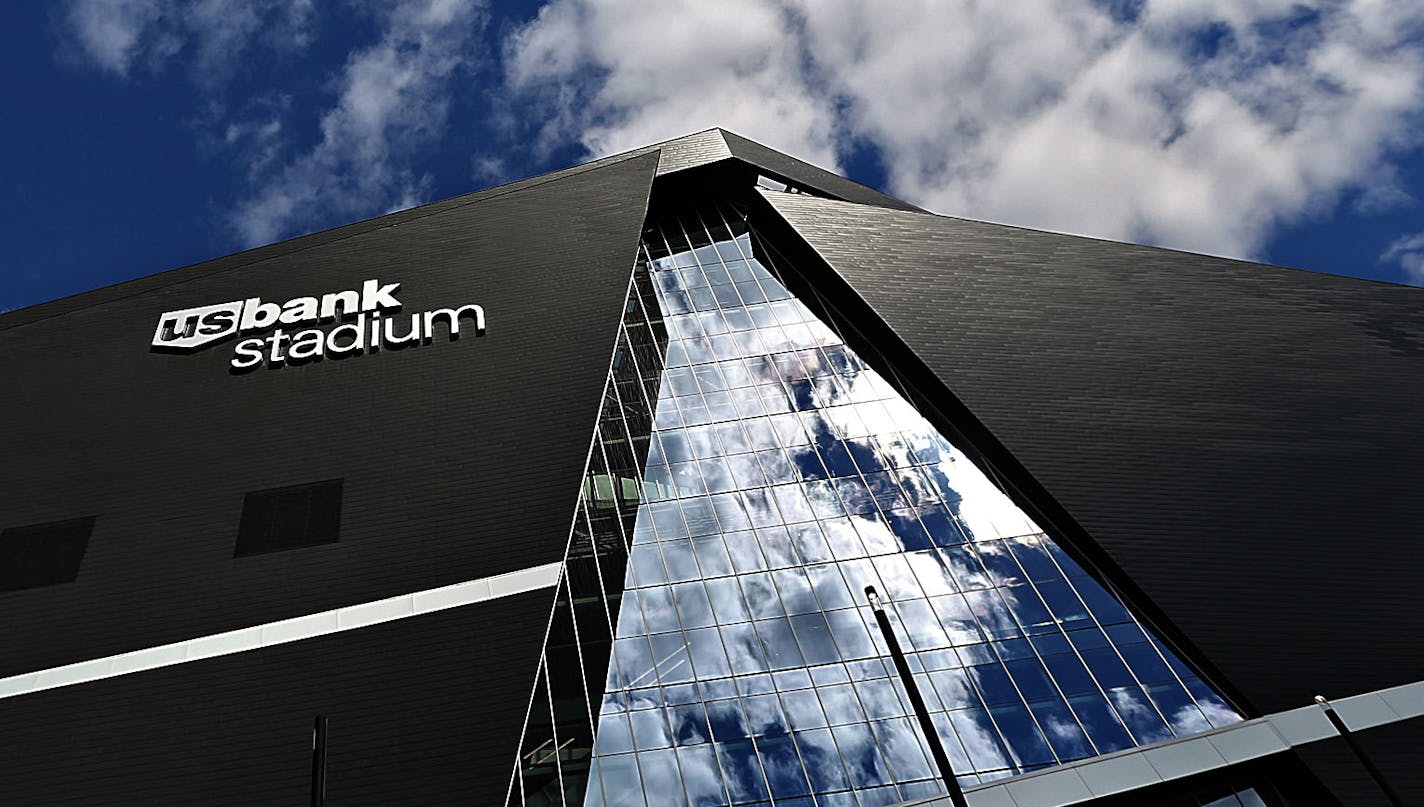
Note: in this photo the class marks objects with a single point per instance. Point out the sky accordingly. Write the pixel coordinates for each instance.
(142, 135)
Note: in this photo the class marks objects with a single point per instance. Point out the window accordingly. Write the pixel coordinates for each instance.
(289, 518)
(785, 476)
(43, 554)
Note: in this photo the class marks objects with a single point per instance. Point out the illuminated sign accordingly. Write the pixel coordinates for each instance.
(367, 324)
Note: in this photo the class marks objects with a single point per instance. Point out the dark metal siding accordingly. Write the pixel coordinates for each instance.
(1239, 443)
(1394, 749)
(425, 710)
(280, 249)
(809, 176)
(460, 459)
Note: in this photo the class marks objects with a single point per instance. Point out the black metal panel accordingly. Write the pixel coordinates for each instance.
(809, 176)
(257, 255)
(1394, 750)
(425, 710)
(42, 554)
(460, 459)
(292, 517)
(1236, 446)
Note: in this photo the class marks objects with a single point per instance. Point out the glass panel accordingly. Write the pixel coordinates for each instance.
(786, 476)
(582, 661)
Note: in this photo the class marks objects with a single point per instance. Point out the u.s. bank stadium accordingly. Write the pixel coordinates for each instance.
(571, 491)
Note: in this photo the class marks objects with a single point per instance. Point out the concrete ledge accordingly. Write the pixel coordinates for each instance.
(351, 617)
(1124, 771)
(1406, 701)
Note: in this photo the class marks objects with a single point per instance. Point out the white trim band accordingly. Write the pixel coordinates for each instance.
(288, 630)
(1124, 771)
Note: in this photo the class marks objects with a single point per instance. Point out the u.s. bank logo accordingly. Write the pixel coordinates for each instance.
(368, 323)
(191, 328)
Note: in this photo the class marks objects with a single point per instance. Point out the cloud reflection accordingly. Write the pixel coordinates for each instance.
(789, 477)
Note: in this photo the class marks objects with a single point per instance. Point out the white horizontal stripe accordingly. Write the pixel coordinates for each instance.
(287, 630)
(1125, 771)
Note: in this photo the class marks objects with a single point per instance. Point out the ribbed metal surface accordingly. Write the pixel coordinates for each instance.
(692, 151)
(1394, 750)
(460, 460)
(810, 176)
(425, 710)
(1243, 441)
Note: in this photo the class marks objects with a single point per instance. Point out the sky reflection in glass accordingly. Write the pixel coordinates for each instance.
(784, 477)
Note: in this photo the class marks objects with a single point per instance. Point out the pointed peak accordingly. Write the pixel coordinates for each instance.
(708, 146)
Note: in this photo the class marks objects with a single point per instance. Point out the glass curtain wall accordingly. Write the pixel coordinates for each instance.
(784, 476)
(557, 743)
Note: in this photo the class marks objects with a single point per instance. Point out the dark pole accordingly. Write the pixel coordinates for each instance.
(921, 711)
(318, 790)
(1344, 730)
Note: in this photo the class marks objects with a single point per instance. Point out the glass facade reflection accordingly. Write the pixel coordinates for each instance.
(783, 476)
(557, 742)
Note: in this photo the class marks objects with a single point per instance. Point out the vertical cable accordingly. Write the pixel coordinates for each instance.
(946, 772)
(1359, 752)
(318, 777)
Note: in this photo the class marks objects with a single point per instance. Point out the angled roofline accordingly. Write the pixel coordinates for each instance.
(808, 176)
(715, 146)
(891, 314)
(707, 150)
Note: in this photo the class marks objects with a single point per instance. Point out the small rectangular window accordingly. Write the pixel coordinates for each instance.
(43, 554)
(289, 518)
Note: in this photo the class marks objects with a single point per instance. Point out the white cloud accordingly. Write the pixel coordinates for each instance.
(666, 69)
(119, 36)
(1200, 125)
(1408, 253)
(108, 32)
(392, 98)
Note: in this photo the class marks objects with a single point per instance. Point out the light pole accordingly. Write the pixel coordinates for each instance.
(318, 781)
(956, 795)
(1359, 752)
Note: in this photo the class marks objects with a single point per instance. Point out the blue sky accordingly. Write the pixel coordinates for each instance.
(141, 135)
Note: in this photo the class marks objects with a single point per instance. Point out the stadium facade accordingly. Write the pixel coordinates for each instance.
(569, 491)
